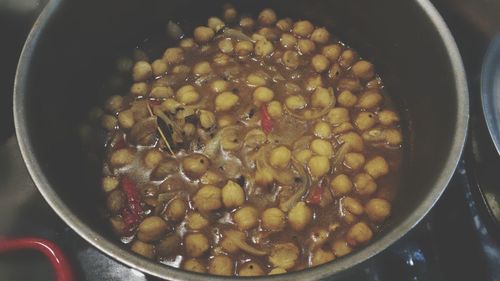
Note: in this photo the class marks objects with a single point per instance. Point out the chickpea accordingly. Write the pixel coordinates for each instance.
(354, 141)
(176, 209)
(221, 265)
(284, 24)
(276, 271)
(393, 137)
(118, 225)
(195, 165)
(196, 221)
(369, 99)
(158, 67)
(202, 68)
(225, 120)
(207, 119)
(126, 119)
(221, 59)
(215, 23)
(363, 70)
(300, 216)
(321, 256)
(352, 205)
(349, 84)
(194, 265)
(203, 34)
(170, 105)
(273, 219)
(347, 58)
(187, 95)
(173, 55)
(187, 43)
(247, 23)
(280, 157)
(322, 97)
(141, 71)
(360, 233)
(340, 185)
(320, 63)
(267, 17)
(211, 177)
(219, 86)
(322, 130)
(161, 92)
(365, 120)
(122, 157)
(377, 167)
(263, 177)
(256, 80)
(144, 249)
(208, 198)
(274, 109)
(332, 52)
(306, 46)
(228, 244)
(115, 201)
(232, 195)
(303, 28)
(166, 167)
(319, 166)
(114, 103)
(251, 269)
(153, 158)
(268, 33)
(246, 218)
(354, 160)
(303, 155)
(181, 69)
(295, 102)
(244, 48)
(263, 48)
(263, 95)
(288, 41)
(151, 229)
(320, 35)
(334, 71)
(139, 89)
(196, 244)
(387, 117)
(322, 147)
(364, 184)
(109, 183)
(342, 128)
(109, 122)
(225, 101)
(226, 46)
(347, 99)
(340, 248)
(314, 82)
(378, 209)
(284, 255)
(338, 115)
(230, 14)
(291, 59)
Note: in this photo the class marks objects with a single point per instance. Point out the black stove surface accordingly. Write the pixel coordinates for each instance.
(455, 241)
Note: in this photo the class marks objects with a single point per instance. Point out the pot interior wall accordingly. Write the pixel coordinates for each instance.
(75, 52)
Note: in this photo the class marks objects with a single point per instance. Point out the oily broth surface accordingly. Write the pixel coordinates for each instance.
(330, 216)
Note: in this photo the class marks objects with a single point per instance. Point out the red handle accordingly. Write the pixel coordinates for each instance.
(48, 248)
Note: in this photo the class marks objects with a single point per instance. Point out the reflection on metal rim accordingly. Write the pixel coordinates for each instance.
(490, 91)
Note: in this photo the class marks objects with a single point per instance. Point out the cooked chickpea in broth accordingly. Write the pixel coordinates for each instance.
(258, 146)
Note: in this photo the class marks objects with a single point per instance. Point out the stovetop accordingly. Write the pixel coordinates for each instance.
(455, 241)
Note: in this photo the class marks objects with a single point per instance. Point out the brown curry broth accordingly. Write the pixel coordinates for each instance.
(220, 219)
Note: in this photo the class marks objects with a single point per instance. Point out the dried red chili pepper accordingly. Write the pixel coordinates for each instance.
(316, 194)
(266, 121)
(132, 213)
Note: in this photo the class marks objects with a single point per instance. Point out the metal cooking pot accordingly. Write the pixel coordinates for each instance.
(68, 53)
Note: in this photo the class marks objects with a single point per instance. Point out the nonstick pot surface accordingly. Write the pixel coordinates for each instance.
(70, 52)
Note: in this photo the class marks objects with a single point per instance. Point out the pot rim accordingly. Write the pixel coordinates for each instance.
(174, 274)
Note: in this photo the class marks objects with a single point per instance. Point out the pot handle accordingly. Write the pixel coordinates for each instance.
(56, 257)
